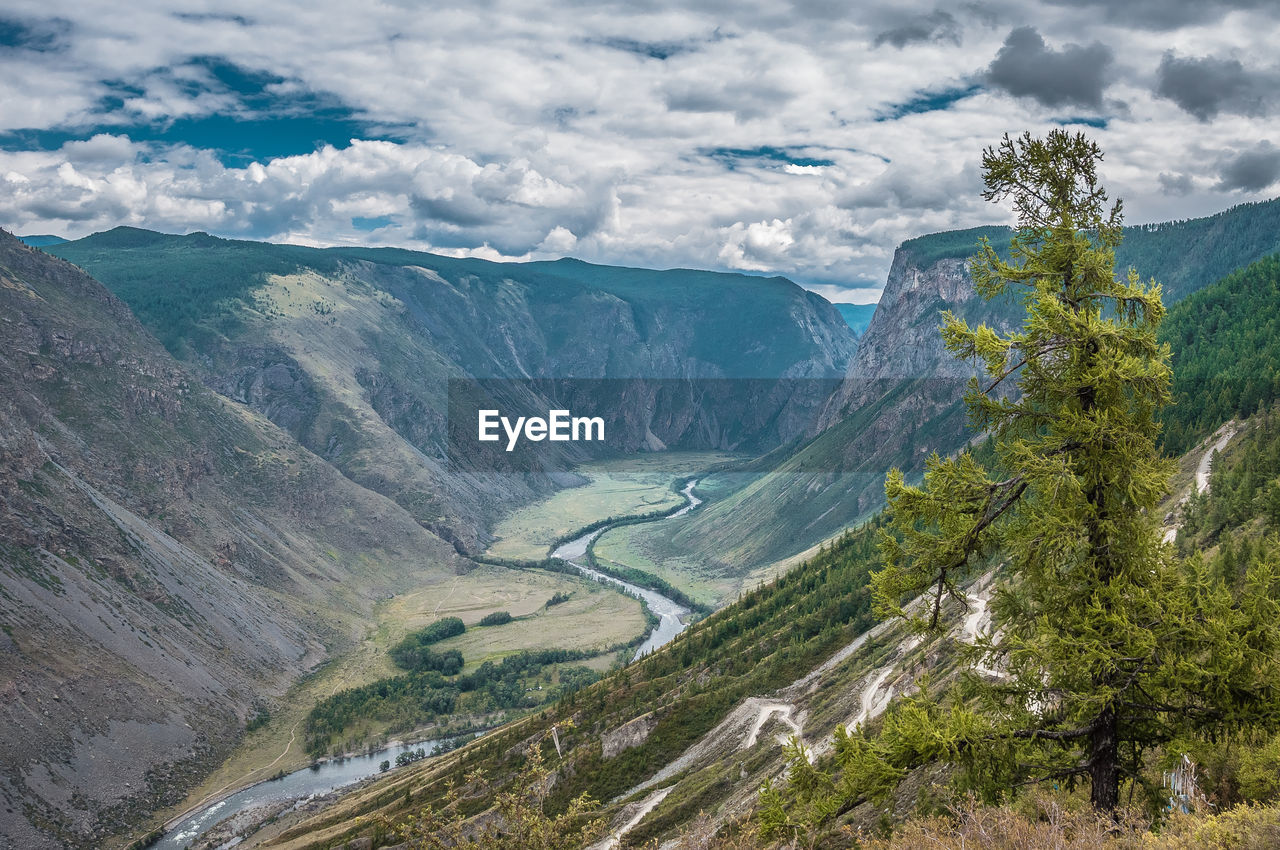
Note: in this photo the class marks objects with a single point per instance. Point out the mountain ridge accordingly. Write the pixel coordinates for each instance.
(351, 350)
(170, 559)
(900, 399)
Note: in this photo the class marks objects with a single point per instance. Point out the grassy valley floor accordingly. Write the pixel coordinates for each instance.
(592, 618)
(614, 488)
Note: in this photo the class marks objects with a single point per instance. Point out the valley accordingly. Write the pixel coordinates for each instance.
(288, 446)
(594, 617)
(677, 745)
(628, 487)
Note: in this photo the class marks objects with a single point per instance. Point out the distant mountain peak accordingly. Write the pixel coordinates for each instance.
(42, 240)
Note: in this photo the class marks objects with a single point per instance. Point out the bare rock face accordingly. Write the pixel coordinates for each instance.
(900, 400)
(630, 734)
(162, 561)
(903, 343)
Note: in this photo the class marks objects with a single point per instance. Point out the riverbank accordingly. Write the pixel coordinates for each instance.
(319, 778)
(673, 617)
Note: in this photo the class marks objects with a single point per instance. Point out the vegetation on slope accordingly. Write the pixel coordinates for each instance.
(188, 286)
(1226, 347)
(1182, 255)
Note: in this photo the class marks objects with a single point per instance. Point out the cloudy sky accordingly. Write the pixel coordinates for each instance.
(805, 138)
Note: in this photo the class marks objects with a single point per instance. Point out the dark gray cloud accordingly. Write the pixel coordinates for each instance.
(1177, 185)
(936, 26)
(1251, 170)
(1208, 86)
(1027, 67)
(1164, 14)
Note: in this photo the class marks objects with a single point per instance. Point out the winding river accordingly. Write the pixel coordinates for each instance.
(299, 785)
(333, 774)
(672, 616)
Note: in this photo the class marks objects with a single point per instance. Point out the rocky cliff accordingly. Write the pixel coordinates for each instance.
(169, 560)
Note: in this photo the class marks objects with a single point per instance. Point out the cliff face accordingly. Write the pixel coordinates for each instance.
(902, 342)
(168, 560)
(351, 351)
(899, 401)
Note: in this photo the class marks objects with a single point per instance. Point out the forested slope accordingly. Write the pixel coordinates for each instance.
(1226, 353)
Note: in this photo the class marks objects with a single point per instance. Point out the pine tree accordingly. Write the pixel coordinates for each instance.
(1107, 645)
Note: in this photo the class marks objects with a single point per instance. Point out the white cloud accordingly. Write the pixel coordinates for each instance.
(530, 130)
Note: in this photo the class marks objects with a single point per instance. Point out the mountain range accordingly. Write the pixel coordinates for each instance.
(219, 457)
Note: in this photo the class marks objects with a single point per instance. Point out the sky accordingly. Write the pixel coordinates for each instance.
(804, 138)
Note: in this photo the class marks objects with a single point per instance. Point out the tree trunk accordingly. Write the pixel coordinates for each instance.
(1104, 764)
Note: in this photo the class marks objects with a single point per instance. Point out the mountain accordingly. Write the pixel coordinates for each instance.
(857, 315)
(42, 240)
(900, 399)
(182, 538)
(352, 351)
(680, 743)
(170, 561)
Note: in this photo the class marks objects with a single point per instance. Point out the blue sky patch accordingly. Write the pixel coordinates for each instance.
(269, 119)
(928, 101)
(731, 157)
(662, 50)
(360, 222)
(41, 36)
(1097, 123)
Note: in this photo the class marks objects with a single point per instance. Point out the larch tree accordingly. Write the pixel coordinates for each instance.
(1106, 645)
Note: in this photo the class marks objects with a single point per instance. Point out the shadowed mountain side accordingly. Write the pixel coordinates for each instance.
(169, 560)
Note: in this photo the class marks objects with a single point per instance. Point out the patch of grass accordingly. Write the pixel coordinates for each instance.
(624, 487)
(593, 617)
(633, 546)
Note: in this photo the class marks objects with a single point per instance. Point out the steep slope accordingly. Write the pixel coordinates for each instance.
(681, 741)
(352, 350)
(1226, 347)
(901, 397)
(169, 561)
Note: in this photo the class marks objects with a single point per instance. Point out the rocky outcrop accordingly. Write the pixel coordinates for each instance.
(630, 734)
(267, 379)
(903, 343)
(899, 401)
